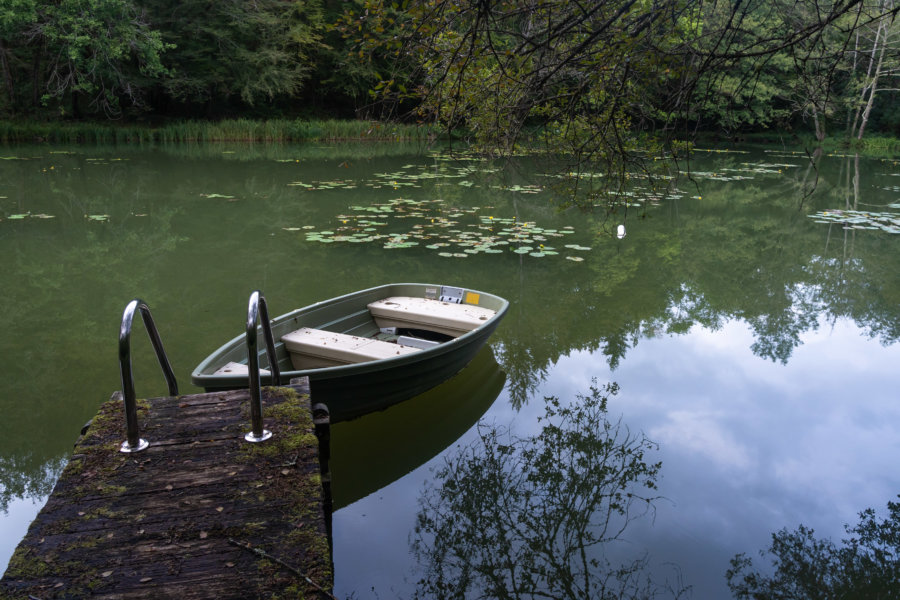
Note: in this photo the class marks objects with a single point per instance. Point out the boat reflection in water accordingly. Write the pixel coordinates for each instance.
(375, 450)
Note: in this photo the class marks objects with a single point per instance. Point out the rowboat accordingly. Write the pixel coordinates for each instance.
(366, 350)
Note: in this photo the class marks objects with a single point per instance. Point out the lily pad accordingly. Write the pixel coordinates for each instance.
(855, 219)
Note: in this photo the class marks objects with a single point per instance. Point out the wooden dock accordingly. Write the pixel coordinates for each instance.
(199, 514)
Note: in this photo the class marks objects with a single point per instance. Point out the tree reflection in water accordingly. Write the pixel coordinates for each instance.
(537, 516)
(867, 565)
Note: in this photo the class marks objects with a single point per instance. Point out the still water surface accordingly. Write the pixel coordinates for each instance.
(756, 346)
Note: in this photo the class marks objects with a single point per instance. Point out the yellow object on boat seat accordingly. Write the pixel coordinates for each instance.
(425, 313)
(315, 348)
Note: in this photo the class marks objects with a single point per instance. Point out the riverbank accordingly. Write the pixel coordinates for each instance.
(231, 130)
(873, 145)
(336, 130)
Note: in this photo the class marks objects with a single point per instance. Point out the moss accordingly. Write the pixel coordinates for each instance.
(84, 542)
(290, 421)
(288, 416)
(100, 511)
(23, 564)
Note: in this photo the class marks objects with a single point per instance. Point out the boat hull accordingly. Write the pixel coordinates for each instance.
(356, 389)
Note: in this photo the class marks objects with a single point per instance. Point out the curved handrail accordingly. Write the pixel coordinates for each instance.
(134, 443)
(258, 311)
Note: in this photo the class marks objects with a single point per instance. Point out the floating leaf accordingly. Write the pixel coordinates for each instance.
(855, 219)
(575, 258)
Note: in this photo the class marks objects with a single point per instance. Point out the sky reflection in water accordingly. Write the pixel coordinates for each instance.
(748, 446)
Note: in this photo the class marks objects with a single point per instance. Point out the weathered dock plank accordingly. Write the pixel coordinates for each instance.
(199, 514)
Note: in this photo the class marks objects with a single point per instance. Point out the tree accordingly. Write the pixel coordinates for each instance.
(233, 52)
(605, 81)
(95, 49)
(875, 49)
(17, 17)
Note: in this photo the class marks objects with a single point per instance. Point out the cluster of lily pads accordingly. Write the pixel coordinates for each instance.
(453, 232)
(744, 171)
(28, 215)
(407, 176)
(858, 219)
(23, 216)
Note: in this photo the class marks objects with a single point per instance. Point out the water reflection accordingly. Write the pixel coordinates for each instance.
(376, 449)
(732, 260)
(512, 516)
(741, 251)
(863, 566)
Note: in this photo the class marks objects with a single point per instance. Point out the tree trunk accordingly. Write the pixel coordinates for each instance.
(7, 76)
(850, 116)
(874, 71)
(36, 76)
(873, 89)
(820, 127)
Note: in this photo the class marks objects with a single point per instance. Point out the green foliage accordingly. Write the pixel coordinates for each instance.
(604, 86)
(96, 48)
(236, 51)
(867, 565)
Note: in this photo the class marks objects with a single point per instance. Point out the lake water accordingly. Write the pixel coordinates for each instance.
(755, 345)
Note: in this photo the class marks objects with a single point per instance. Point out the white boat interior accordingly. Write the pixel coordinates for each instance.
(315, 348)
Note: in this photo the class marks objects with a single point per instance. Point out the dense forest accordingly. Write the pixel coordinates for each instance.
(589, 72)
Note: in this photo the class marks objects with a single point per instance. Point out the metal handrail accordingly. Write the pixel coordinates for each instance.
(257, 310)
(134, 443)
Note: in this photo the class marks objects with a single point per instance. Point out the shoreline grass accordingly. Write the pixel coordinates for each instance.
(232, 130)
(871, 145)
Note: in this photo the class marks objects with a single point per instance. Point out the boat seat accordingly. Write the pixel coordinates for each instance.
(425, 313)
(315, 348)
(234, 368)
